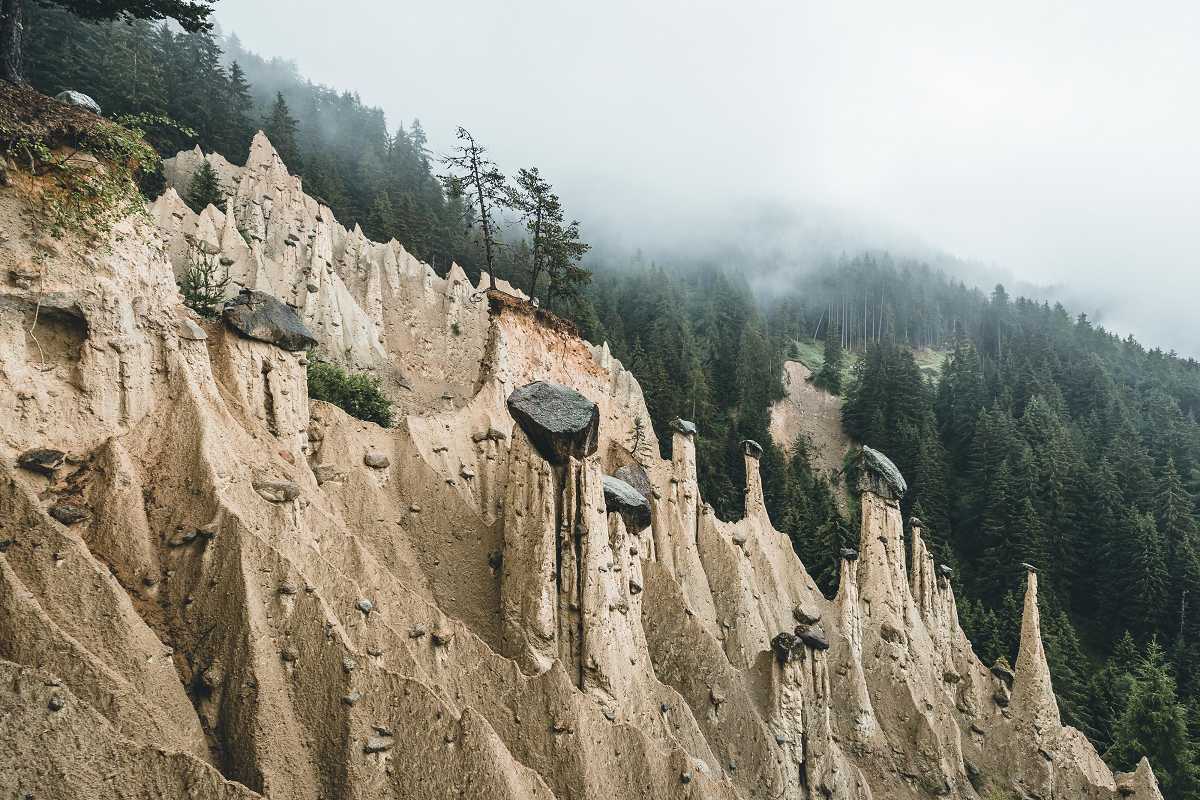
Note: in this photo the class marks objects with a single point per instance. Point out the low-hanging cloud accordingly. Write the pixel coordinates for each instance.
(1057, 141)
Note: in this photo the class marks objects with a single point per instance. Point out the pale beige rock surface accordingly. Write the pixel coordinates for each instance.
(464, 621)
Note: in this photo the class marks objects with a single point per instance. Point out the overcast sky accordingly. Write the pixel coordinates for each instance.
(1057, 141)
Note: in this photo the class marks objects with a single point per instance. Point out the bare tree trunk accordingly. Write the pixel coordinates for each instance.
(537, 252)
(11, 32)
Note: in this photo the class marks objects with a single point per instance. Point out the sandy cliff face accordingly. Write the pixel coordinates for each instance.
(224, 590)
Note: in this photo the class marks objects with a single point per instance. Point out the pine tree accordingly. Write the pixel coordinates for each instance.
(1153, 723)
(205, 188)
(829, 376)
(473, 174)
(241, 105)
(204, 284)
(281, 128)
(1110, 691)
(1140, 574)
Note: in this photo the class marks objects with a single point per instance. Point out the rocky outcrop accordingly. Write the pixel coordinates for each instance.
(262, 596)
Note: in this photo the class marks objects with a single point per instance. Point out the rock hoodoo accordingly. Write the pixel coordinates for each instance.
(253, 604)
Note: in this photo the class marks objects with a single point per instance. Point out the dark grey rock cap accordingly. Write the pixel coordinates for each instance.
(683, 426)
(559, 421)
(752, 448)
(258, 315)
(627, 501)
(875, 473)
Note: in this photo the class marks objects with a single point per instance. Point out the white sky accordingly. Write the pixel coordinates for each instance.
(1059, 141)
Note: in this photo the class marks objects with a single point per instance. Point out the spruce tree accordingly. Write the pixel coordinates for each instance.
(829, 376)
(205, 188)
(1154, 723)
(204, 283)
(281, 128)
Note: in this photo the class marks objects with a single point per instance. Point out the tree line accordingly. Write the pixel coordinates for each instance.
(1051, 441)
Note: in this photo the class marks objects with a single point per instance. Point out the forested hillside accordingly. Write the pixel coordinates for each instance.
(1045, 439)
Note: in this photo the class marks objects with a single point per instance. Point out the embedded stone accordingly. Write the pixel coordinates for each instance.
(376, 460)
(324, 473)
(1002, 670)
(68, 512)
(813, 636)
(186, 329)
(559, 421)
(783, 646)
(364, 605)
(277, 491)
(378, 744)
(42, 460)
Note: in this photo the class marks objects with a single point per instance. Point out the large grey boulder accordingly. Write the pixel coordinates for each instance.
(686, 427)
(258, 315)
(813, 636)
(559, 421)
(874, 472)
(621, 498)
(79, 100)
(635, 475)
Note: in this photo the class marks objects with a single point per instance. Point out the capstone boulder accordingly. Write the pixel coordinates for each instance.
(875, 473)
(559, 421)
(258, 315)
(627, 501)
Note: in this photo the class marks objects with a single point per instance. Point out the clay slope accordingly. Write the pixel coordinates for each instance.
(225, 590)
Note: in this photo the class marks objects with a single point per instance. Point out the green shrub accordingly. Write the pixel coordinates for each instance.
(358, 394)
(204, 284)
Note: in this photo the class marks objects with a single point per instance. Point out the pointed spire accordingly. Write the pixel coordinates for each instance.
(754, 503)
(1033, 694)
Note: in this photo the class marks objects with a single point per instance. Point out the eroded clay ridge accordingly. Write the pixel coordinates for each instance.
(211, 587)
